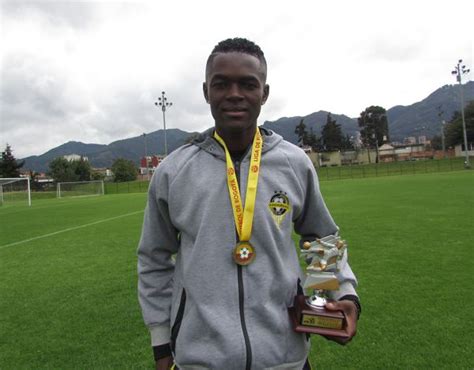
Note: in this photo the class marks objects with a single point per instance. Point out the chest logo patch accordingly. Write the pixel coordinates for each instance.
(279, 206)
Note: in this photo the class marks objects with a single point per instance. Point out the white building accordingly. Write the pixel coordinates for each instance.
(460, 152)
(74, 157)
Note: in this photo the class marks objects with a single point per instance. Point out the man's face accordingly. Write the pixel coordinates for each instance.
(235, 89)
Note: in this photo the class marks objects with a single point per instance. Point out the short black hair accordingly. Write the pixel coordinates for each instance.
(238, 45)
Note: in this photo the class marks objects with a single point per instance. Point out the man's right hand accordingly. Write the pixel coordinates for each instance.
(164, 363)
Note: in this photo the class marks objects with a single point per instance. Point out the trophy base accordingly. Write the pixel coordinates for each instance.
(307, 319)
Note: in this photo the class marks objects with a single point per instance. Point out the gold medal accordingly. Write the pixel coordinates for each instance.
(243, 253)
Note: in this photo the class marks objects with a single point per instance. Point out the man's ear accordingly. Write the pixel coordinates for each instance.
(266, 92)
(204, 90)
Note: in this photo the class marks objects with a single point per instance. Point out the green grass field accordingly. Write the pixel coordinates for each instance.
(68, 277)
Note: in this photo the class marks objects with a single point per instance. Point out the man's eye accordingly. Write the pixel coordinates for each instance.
(250, 85)
(219, 85)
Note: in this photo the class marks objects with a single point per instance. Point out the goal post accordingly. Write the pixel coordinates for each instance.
(79, 189)
(15, 190)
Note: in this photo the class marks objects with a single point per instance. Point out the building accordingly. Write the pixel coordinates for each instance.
(422, 140)
(461, 152)
(75, 157)
(149, 164)
(104, 172)
(387, 153)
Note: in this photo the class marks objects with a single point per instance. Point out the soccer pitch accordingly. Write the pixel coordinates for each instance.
(68, 277)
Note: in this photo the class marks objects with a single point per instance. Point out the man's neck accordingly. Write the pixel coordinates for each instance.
(237, 142)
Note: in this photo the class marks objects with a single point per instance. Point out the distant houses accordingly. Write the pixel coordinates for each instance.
(75, 157)
(148, 165)
(386, 153)
(411, 149)
(460, 151)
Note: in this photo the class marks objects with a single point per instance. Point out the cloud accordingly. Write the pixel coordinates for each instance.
(92, 70)
(75, 14)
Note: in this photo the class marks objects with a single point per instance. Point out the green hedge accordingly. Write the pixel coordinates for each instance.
(390, 169)
(335, 173)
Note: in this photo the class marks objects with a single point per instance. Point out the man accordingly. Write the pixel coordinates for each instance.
(226, 205)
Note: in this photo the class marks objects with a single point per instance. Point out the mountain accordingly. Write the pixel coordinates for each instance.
(40, 163)
(417, 119)
(422, 118)
(101, 156)
(286, 126)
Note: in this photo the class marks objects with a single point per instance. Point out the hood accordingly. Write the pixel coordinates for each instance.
(206, 142)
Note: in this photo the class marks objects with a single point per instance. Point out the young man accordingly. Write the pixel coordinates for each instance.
(226, 205)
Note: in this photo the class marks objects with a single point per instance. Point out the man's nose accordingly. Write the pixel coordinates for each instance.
(234, 91)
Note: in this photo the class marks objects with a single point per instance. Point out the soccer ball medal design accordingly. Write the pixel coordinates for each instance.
(309, 314)
(244, 253)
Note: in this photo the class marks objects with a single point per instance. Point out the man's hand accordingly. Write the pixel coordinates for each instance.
(350, 311)
(164, 363)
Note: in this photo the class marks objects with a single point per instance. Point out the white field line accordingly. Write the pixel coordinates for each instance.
(69, 229)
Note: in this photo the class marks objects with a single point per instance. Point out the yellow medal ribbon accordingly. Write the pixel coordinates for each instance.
(243, 217)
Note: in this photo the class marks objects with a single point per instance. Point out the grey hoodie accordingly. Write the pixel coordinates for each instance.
(216, 314)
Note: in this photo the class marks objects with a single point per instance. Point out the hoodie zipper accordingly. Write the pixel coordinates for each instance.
(240, 281)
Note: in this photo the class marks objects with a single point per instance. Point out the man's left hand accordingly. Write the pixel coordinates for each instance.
(350, 311)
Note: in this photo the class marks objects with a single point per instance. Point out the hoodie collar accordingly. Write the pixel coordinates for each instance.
(206, 142)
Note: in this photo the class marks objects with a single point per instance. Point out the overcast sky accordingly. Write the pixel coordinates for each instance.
(91, 71)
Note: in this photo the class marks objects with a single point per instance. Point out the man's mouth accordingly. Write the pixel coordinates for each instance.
(235, 112)
(234, 109)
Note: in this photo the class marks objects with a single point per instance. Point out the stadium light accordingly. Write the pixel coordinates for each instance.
(443, 123)
(367, 144)
(146, 157)
(164, 103)
(459, 71)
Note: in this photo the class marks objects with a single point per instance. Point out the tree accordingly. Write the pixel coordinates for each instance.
(374, 126)
(436, 142)
(62, 170)
(34, 183)
(347, 143)
(9, 166)
(95, 175)
(305, 138)
(124, 170)
(82, 169)
(453, 130)
(331, 135)
(313, 141)
(300, 131)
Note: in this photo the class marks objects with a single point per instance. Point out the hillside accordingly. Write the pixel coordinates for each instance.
(286, 126)
(420, 118)
(102, 156)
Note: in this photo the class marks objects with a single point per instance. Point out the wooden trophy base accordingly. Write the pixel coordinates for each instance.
(307, 319)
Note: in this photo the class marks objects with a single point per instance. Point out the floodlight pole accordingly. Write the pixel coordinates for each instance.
(443, 122)
(163, 103)
(146, 158)
(367, 135)
(443, 142)
(29, 192)
(144, 138)
(459, 70)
